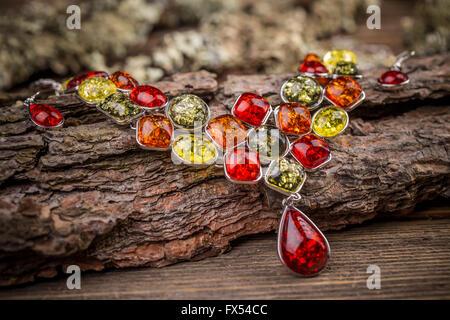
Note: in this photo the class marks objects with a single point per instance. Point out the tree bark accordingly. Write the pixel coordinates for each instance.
(86, 194)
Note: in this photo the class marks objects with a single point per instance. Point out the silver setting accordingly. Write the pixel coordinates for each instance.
(166, 112)
(238, 181)
(314, 75)
(120, 122)
(32, 100)
(143, 146)
(310, 107)
(314, 118)
(249, 124)
(198, 165)
(280, 230)
(271, 186)
(397, 66)
(277, 124)
(361, 98)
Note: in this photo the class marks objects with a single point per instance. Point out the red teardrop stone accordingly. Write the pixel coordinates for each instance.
(310, 151)
(45, 115)
(314, 67)
(251, 108)
(393, 77)
(148, 97)
(243, 165)
(123, 80)
(302, 248)
(79, 79)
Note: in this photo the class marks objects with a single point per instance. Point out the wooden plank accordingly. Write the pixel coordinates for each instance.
(414, 257)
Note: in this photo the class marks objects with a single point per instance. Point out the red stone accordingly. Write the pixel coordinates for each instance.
(310, 151)
(45, 115)
(393, 77)
(148, 97)
(302, 248)
(79, 79)
(251, 108)
(243, 165)
(123, 80)
(313, 67)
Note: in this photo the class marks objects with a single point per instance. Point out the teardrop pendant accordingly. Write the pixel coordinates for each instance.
(302, 247)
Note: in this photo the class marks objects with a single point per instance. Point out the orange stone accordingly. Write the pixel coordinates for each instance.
(226, 131)
(311, 57)
(154, 132)
(123, 80)
(343, 91)
(293, 118)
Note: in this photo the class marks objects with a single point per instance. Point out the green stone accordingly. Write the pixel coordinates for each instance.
(269, 142)
(194, 149)
(302, 89)
(345, 68)
(286, 175)
(96, 89)
(119, 107)
(188, 111)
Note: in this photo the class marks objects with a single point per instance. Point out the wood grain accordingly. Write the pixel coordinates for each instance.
(413, 254)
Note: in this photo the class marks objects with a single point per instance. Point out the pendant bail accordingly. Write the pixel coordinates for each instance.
(401, 58)
(289, 201)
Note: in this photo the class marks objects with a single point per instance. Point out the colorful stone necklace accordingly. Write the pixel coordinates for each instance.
(244, 143)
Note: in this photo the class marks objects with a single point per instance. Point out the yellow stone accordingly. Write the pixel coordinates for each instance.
(64, 84)
(330, 121)
(96, 89)
(194, 149)
(332, 57)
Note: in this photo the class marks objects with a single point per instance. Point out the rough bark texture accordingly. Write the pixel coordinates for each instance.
(86, 194)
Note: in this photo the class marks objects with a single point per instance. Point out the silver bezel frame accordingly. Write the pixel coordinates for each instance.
(310, 107)
(361, 98)
(330, 106)
(266, 117)
(393, 87)
(308, 169)
(196, 165)
(267, 160)
(31, 101)
(143, 146)
(238, 181)
(166, 112)
(283, 217)
(277, 124)
(271, 186)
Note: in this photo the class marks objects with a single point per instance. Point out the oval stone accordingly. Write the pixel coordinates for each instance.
(345, 68)
(332, 57)
(302, 89)
(148, 97)
(393, 77)
(75, 81)
(311, 57)
(120, 108)
(194, 149)
(188, 111)
(313, 67)
(123, 80)
(45, 116)
(329, 121)
(95, 90)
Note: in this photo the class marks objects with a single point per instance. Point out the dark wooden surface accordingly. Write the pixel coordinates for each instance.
(413, 254)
